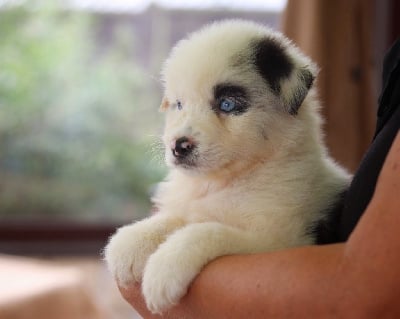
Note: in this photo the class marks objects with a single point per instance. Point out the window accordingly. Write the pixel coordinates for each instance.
(79, 96)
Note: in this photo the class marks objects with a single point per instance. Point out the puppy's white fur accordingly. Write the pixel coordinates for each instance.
(258, 181)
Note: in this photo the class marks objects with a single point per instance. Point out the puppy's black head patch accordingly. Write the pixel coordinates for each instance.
(271, 61)
(279, 70)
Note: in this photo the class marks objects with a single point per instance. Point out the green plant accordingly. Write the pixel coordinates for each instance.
(74, 120)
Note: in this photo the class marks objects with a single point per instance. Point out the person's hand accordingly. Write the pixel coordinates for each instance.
(133, 295)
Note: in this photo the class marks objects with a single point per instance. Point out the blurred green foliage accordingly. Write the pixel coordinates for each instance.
(75, 118)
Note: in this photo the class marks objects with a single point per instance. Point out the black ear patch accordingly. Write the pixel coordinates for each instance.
(271, 62)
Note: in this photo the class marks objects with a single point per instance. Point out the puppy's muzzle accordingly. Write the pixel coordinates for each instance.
(182, 147)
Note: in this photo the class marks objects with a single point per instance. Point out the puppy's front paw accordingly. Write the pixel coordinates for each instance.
(166, 278)
(128, 250)
(125, 255)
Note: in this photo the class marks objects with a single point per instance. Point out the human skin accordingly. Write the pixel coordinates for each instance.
(356, 279)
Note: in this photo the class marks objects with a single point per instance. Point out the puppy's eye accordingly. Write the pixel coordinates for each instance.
(179, 105)
(227, 105)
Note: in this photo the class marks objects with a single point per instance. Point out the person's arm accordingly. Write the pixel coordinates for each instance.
(358, 279)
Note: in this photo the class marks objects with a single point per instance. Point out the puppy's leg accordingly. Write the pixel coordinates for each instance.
(129, 248)
(177, 261)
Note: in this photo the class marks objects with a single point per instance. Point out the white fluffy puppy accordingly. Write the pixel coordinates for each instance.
(248, 170)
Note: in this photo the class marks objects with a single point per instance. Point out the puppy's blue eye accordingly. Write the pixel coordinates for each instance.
(179, 105)
(227, 105)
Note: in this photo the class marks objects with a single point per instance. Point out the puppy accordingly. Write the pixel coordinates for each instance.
(248, 169)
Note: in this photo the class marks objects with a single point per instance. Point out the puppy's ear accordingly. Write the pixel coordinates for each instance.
(294, 88)
(164, 104)
(289, 75)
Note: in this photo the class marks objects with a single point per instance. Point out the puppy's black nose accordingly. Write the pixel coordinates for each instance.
(183, 147)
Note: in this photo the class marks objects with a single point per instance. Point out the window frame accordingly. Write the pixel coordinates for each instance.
(46, 237)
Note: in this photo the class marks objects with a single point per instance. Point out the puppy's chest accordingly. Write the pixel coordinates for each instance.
(231, 205)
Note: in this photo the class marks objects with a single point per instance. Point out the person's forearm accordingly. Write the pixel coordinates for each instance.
(292, 283)
(295, 283)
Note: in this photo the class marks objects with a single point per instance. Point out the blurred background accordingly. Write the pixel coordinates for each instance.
(79, 125)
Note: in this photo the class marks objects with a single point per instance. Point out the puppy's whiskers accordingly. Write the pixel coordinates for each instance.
(157, 150)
